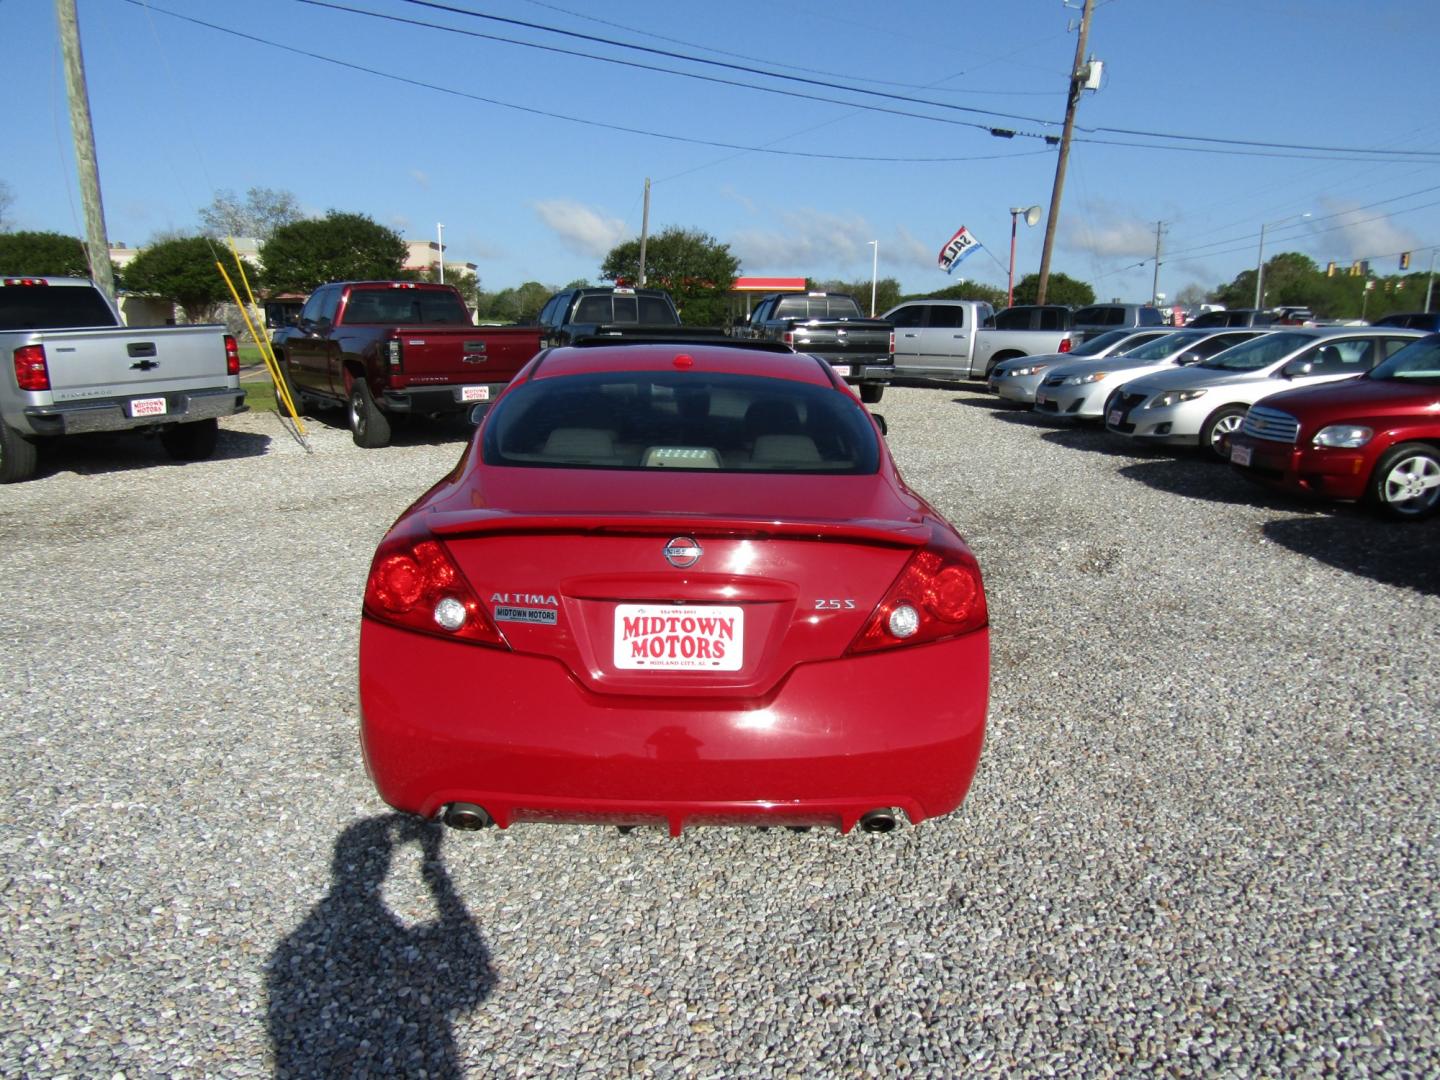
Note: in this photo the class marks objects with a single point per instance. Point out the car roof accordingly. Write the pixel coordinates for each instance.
(711, 359)
(1341, 331)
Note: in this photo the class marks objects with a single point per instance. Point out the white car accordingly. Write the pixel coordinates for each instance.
(1077, 391)
(1016, 379)
(1201, 405)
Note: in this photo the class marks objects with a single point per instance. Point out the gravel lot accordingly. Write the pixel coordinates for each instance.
(1203, 837)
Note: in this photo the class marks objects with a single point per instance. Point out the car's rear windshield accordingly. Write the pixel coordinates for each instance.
(1104, 315)
(405, 307)
(601, 308)
(819, 307)
(681, 420)
(52, 307)
(1416, 362)
(1258, 352)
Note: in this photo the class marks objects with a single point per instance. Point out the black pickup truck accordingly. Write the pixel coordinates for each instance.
(832, 326)
(614, 312)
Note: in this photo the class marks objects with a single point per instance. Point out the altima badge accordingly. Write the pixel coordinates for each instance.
(683, 551)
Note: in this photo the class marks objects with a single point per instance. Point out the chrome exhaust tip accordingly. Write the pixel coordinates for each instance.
(466, 817)
(879, 821)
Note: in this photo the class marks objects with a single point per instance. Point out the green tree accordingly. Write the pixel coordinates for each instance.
(518, 305)
(693, 267)
(965, 290)
(304, 255)
(258, 215)
(184, 272)
(43, 254)
(1063, 289)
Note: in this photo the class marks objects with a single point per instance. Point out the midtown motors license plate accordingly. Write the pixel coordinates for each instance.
(673, 637)
(841, 369)
(1240, 455)
(475, 393)
(150, 406)
(1114, 416)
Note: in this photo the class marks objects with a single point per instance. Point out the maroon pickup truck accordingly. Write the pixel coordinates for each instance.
(387, 348)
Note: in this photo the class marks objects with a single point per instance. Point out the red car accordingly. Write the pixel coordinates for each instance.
(674, 584)
(1375, 437)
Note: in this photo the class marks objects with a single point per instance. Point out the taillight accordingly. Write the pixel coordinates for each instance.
(415, 584)
(1065, 344)
(938, 595)
(892, 342)
(232, 356)
(393, 352)
(30, 370)
(788, 337)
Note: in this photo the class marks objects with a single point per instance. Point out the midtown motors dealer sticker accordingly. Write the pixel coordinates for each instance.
(679, 638)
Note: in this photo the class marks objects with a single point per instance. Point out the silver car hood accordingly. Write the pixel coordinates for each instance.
(1111, 363)
(1194, 377)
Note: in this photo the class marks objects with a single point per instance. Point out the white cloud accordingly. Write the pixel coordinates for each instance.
(421, 177)
(1110, 235)
(581, 229)
(1361, 234)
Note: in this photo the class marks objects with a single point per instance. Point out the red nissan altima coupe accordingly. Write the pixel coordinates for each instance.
(668, 585)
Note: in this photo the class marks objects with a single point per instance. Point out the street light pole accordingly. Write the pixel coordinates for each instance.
(1260, 258)
(1010, 291)
(874, 272)
(439, 228)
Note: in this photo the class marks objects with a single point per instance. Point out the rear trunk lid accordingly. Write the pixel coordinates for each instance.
(679, 601)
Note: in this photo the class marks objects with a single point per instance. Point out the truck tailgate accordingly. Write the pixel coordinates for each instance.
(126, 361)
(464, 354)
(843, 338)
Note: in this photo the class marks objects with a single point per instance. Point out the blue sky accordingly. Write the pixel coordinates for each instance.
(507, 145)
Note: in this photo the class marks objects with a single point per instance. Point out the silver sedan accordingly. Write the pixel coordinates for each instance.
(1077, 391)
(1017, 378)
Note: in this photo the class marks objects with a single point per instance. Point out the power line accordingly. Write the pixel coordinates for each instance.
(531, 110)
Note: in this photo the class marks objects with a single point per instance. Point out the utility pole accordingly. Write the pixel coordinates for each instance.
(1155, 285)
(644, 231)
(1430, 284)
(97, 243)
(1076, 86)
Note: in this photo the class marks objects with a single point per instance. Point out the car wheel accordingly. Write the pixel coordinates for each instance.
(1406, 481)
(191, 442)
(1218, 427)
(19, 456)
(870, 393)
(368, 426)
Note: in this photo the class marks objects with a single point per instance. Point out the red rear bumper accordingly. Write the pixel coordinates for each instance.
(445, 722)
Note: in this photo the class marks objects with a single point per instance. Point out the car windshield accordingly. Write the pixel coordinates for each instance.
(1258, 352)
(1417, 362)
(681, 420)
(1097, 345)
(1162, 347)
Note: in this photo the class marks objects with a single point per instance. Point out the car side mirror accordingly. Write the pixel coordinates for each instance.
(1296, 368)
(478, 413)
(880, 423)
(1188, 358)
(321, 325)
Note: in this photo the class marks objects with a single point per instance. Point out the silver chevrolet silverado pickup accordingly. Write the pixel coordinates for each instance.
(71, 367)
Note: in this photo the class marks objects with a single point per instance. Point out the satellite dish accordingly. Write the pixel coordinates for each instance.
(1032, 216)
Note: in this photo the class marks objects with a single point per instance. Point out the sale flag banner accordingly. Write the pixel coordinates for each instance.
(956, 248)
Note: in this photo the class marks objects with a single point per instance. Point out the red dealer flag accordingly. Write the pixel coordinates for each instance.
(956, 248)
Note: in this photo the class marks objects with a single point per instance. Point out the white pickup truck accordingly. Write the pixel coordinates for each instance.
(71, 367)
(964, 339)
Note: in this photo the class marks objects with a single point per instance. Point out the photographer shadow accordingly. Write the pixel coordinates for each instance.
(354, 990)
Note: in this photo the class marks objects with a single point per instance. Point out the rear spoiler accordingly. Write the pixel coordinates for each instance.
(480, 522)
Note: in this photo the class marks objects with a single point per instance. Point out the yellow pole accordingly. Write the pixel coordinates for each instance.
(272, 365)
(281, 391)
